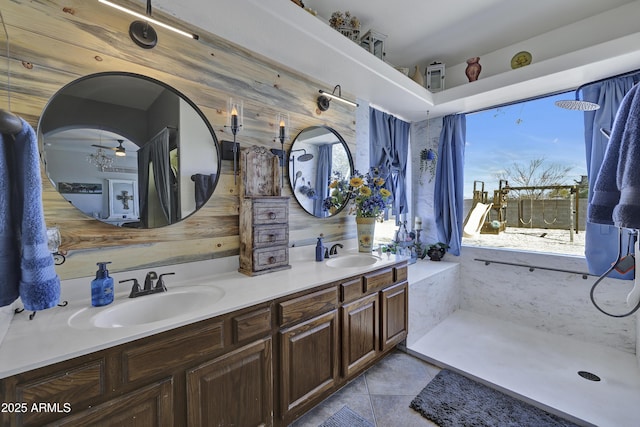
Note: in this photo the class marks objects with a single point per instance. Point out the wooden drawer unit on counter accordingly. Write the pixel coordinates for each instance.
(264, 214)
(265, 234)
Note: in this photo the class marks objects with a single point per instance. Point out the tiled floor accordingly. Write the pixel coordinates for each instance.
(381, 395)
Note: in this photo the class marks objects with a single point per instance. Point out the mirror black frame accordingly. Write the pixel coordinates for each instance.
(349, 158)
(178, 93)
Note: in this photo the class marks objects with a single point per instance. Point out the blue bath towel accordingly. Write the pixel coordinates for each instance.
(616, 193)
(33, 269)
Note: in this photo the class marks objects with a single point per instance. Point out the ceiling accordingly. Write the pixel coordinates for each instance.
(572, 42)
(423, 31)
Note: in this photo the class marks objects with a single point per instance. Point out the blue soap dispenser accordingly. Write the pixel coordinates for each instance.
(319, 250)
(102, 286)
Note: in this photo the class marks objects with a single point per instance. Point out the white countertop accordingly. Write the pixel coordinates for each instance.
(49, 338)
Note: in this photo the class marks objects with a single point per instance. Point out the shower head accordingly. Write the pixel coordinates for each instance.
(576, 104)
(303, 158)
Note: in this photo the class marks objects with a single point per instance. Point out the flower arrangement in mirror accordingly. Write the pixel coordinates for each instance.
(339, 195)
(309, 191)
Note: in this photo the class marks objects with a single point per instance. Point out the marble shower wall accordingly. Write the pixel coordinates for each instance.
(551, 301)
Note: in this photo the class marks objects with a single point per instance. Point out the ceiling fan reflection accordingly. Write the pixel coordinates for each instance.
(120, 150)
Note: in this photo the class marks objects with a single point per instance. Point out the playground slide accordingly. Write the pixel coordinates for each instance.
(475, 219)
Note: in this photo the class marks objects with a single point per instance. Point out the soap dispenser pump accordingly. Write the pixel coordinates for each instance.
(102, 286)
(320, 249)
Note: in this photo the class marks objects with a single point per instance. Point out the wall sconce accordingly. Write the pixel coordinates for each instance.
(235, 115)
(282, 135)
(325, 97)
(141, 32)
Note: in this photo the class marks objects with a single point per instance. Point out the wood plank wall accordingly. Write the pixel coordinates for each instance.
(55, 42)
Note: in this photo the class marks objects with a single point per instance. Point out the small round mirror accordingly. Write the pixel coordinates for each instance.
(128, 150)
(320, 166)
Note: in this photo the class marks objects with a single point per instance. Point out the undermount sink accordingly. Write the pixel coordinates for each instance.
(149, 308)
(348, 261)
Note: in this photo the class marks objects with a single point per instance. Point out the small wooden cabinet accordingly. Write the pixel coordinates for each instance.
(264, 214)
(232, 390)
(264, 234)
(360, 333)
(309, 359)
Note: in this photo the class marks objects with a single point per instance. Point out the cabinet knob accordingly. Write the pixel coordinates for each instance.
(272, 259)
(272, 215)
(272, 237)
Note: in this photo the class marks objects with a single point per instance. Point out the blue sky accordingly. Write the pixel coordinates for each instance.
(498, 137)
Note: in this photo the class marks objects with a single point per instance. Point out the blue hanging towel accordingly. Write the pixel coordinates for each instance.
(616, 193)
(38, 284)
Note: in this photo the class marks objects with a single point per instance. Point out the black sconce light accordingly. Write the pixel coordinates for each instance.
(234, 122)
(141, 32)
(325, 98)
(282, 134)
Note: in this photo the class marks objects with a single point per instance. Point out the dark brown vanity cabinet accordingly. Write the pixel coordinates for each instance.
(214, 372)
(329, 336)
(264, 365)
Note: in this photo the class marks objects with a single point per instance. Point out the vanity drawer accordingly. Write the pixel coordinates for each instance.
(270, 257)
(76, 386)
(146, 361)
(378, 279)
(400, 273)
(351, 290)
(253, 324)
(270, 235)
(307, 306)
(270, 212)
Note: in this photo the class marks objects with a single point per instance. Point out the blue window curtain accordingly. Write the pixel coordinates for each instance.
(601, 240)
(323, 177)
(389, 147)
(449, 186)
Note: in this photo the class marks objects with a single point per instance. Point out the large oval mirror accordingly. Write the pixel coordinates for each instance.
(128, 150)
(320, 166)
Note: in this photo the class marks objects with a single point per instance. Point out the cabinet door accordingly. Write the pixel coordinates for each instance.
(360, 333)
(395, 300)
(309, 360)
(148, 406)
(233, 390)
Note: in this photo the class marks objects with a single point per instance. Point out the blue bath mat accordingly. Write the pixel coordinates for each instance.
(345, 417)
(452, 400)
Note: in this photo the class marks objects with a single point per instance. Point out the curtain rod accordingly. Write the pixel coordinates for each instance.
(508, 104)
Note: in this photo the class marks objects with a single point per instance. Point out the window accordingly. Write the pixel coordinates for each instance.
(528, 161)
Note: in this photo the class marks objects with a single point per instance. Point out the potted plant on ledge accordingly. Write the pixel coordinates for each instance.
(436, 251)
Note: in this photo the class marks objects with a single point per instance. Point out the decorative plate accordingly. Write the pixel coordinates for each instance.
(520, 59)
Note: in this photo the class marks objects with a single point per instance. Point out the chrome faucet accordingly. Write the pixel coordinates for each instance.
(334, 249)
(149, 287)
